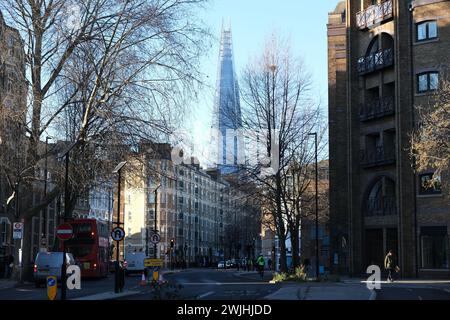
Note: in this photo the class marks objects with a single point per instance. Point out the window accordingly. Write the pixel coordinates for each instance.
(4, 232)
(427, 81)
(426, 30)
(434, 247)
(427, 186)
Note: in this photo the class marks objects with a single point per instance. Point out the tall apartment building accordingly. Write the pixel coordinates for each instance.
(13, 93)
(396, 53)
(192, 209)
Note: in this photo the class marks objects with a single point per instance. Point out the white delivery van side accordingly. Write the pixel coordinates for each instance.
(135, 262)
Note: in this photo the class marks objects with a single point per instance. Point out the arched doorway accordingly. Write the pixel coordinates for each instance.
(380, 200)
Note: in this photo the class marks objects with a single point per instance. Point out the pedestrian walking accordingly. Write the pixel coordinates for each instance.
(9, 265)
(261, 262)
(390, 265)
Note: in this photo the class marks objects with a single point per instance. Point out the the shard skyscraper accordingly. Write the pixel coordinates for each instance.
(226, 141)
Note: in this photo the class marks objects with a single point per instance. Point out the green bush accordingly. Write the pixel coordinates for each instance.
(299, 275)
(278, 277)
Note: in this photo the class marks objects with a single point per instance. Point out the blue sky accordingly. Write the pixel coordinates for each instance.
(252, 21)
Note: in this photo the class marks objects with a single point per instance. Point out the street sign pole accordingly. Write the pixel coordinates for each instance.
(118, 169)
(117, 276)
(63, 274)
(156, 217)
(64, 232)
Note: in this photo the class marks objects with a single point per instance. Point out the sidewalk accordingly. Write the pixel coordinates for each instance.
(323, 291)
(411, 283)
(9, 284)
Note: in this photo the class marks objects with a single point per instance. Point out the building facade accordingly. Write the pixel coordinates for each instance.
(13, 93)
(193, 209)
(396, 55)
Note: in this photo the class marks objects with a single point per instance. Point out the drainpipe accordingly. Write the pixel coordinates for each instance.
(416, 240)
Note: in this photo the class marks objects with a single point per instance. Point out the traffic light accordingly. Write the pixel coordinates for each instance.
(172, 243)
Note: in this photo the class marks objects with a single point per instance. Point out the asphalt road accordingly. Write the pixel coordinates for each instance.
(88, 287)
(211, 284)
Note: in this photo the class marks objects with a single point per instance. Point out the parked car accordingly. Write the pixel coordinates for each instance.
(221, 265)
(228, 264)
(49, 264)
(135, 262)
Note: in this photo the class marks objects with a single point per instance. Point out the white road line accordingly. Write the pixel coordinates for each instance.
(205, 295)
(420, 298)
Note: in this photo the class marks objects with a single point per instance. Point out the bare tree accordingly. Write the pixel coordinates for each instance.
(279, 108)
(430, 142)
(103, 73)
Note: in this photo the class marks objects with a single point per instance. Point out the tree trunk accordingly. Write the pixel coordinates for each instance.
(281, 229)
(295, 247)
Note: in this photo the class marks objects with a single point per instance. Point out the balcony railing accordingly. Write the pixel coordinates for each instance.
(374, 15)
(377, 157)
(382, 108)
(382, 206)
(376, 61)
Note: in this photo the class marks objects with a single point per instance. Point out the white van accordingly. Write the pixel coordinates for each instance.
(49, 264)
(135, 262)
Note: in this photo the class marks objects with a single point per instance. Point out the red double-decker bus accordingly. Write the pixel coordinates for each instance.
(89, 246)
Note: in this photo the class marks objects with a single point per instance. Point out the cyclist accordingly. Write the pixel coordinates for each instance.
(261, 262)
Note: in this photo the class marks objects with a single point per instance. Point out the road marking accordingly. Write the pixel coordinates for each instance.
(420, 298)
(205, 295)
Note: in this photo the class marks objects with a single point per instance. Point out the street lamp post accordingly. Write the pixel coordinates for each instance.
(317, 204)
(118, 170)
(156, 219)
(45, 211)
(65, 154)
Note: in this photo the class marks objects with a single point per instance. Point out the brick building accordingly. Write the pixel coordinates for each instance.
(13, 93)
(199, 209)
(385, 58)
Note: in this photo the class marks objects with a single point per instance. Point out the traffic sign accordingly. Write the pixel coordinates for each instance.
(155, 238)
(153, 263)
(52, 287)
(17, 230)
(118, 234)
(64, 232)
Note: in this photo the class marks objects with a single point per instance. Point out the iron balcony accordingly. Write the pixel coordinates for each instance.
(377, 157)
(377, 109)
(376, 61)
(374, 15)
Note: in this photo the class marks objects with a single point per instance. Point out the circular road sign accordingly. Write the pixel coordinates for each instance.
(155, 238)
(118, 234)
(64, 232)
